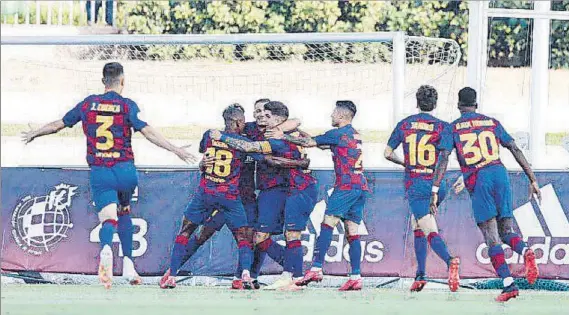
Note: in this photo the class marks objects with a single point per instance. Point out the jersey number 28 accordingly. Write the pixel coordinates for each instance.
(222, 165)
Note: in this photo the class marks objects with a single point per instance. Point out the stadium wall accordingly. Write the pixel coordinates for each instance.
(48, 225)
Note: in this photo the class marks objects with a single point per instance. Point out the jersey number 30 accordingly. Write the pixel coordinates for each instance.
(222, 165)
(104, 132)
(422, 152)
(482, 150)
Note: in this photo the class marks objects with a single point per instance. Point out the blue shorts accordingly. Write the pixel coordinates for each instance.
(492, 194)
(419, 197)
(347, 204)
(298, 207)
(271, 203)
(114, 184)
(216, 220)
(198, 210)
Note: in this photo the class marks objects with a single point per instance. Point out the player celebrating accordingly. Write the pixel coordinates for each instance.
(350, 191)
(425, 138)
(300, 200)
(477, 139)
(216, 219)
(107, 122)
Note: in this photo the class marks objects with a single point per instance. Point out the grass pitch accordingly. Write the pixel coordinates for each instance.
(90, 299)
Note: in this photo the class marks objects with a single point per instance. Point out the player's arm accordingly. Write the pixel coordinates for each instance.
(523, 162)
(48, 129)
(509, 143)
(286, 163)
(289, 125)
(394, 141)
(157, 139)
(241, 144)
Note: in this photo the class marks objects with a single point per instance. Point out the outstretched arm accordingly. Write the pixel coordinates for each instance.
(523, 162)
(289, 125)
(286, 163)
(391, 156)
(45, 130)
(301, 141)
(156, 138)
(439, 174)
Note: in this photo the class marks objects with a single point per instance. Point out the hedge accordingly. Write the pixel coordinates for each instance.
(510, 39)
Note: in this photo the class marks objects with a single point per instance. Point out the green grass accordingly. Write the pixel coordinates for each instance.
(195, 132)
(86, 300)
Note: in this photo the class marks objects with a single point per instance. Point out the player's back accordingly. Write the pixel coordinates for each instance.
(477, 140)
(299, 178)
(347, 156)
(223, 176)
(424, 137)
(107, 121)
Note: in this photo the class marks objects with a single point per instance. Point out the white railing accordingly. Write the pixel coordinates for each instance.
(67, 8)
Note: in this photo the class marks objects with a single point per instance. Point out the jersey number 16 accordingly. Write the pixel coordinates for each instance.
(422, 152)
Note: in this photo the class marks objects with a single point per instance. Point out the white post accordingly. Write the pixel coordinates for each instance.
(27, 13)
(398, 67)
(38, 13)
(49, 7)
(16, 19)
(477, 47)
(71, 15)
(115, 12)
(60, 15)
(539, 83)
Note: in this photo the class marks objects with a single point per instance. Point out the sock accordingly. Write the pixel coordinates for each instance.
(178, 252)
(274, 250)
(125, 230)
(293, 258)
(258, 260)
(439, 247)
(355, 252)
(245, 255)
(107, 231)
(322, 243)
(190, 249)
(515, 242)
(496, 254)
(421, 252)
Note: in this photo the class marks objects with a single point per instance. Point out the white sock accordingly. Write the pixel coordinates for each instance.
(508, 281)
(316, 269)
(355, 277)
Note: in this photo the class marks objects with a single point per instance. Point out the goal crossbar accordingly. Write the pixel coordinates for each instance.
(208, 39)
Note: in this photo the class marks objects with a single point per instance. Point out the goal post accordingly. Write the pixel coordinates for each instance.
(367, 66)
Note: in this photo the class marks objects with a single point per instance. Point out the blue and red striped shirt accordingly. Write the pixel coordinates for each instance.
(107, 121)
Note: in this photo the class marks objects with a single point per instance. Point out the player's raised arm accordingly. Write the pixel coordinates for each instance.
(289, 125)
(52, 127)
(156, 138)
(523, 162)
(286, 163)
(241, 144)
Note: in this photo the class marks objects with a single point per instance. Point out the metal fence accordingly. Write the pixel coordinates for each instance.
(62, 13)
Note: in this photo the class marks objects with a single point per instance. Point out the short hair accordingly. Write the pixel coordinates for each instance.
(112, 73)
(262, 100)
(427, 97)
(233, 112)
(349, 105)
(467, 97)
(277, 108)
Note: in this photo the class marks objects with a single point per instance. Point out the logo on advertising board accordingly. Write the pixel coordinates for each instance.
(372, 249)
(549, 237)
(40, 223)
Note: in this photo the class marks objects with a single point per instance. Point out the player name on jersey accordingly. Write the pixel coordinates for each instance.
(422, 126)
(110, 108)
(475, 123)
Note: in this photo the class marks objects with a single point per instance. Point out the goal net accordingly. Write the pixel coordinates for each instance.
(188, 80)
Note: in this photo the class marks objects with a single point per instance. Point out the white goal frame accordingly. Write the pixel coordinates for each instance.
(479, 13)
(396, 38)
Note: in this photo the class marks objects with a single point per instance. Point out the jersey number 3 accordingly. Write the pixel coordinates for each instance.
(104, 132)
(222, 165)
(422, 153)
(482, 150)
